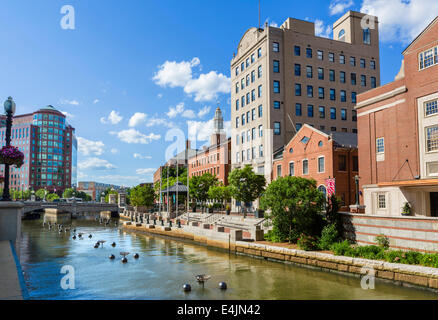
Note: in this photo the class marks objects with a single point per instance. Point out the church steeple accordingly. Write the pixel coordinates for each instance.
(218, 134)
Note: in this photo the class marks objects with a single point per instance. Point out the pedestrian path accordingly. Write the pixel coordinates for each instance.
(12, 286)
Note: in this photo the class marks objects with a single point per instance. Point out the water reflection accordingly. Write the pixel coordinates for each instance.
(165, 265)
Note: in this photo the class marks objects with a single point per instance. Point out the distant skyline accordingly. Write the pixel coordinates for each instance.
(132, 70)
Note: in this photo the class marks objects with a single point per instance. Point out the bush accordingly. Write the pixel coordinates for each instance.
(329, 235)
(341, 248)
(370, 252)
(307, 243)
(429, 260)
(383, 241)
(274, 236)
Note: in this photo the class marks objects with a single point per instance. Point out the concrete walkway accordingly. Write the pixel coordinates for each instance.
(10, 286)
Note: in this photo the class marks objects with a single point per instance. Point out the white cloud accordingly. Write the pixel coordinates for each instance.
(322, 30)
(339, 6)
(180, 74)
(159, 122)
(139, 156)
(71, 102)
(118, 179)
(401, 20)
(145, 171)
(114, 151)
(95, 164)
(67, 114)
(137, 118)
(113, 118)
(180, 110)
(134, 136)
(96, 101)
(88, 147)
(202, 130)
(159, 96)
(271, 23)
(203, 111)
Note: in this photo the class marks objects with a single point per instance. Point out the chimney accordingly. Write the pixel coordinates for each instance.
(188, 144)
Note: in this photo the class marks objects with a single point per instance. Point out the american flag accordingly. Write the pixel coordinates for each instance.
(330, 185)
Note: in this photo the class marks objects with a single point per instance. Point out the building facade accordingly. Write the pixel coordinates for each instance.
(50, 150)
(214, 159)
(95, 189)
(329, 158)
(398, 135)
(285, 77)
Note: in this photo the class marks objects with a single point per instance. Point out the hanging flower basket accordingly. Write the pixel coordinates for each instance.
(12, 156)
(2, 179)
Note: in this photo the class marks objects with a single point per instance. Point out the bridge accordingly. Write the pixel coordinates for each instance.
(75, 208)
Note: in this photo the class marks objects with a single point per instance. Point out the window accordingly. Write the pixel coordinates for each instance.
(253, 94)
(354, 115)
(432, 138)
(243, 119)
(367, 36)
(362, 63)
(342, 76)
(276, 86)
(276, 104)
(242, 83)
(344, 114)
(428, 58)
(259, 52)
(247, 80)
(321, 73)
(305, 166)
(333, 113)
(277, 128)
(259, 93)
(309, 71)
(237, 71)
(297, 89)
(297, 50)
(320, 55)
(341, 35)
(243, 101)
(237, 104)
(342, 166)
(321, 92)
(237, 122)
(252, 76)
(298, 126)
(310, 91)
(248, 100)
(343, 96)
(276, 67)
(309, 52)
(237, 87)
(275, 47)
(431, 107)
(260, 111)
(373, 65)
(252, 58)
(237, 139)
(259, 72)
(331, 57)
(253, 135)
(373, 82)
(253, 114)
(321, 167)
(353, 79)
(247, 117)
(341, 59)
(298, 109)
(320, 144)
(381, 201)
(305, 140)
(310, 110)
(279, 170)
(353, 61)
(260, 131)
(380, 145)
(353, 97)
(291, 169)
(321, 112)
(332, 94)
(247, 62)
(261, 150)
(355, 163)
(363, 80)
(242, 67)
(332, 75)
(297, 69)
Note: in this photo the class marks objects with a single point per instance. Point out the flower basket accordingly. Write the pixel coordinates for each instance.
(12, 156)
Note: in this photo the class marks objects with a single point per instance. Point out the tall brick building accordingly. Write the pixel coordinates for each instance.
(398, 134)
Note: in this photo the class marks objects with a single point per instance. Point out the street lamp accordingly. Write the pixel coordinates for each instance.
(9, 110)
(356, 180)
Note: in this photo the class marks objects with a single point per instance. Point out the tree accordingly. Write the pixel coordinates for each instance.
(220, 193)
(68, 193)
(199, 186)
(108, 192)
(40, 193)
(295, 206)
(52, 196)
(142, 195)
(245, 185)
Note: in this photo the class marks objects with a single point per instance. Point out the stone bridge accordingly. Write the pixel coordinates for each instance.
(75, 208)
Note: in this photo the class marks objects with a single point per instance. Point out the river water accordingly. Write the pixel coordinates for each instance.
(165, 265)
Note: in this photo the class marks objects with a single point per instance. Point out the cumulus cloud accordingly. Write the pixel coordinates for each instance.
(203, 111)
(339, 6)
(271, 23)
(95, 164)
(113, 118)
(89, 147)
(67, 114)
(114, 151)
(202, 130)
(321, 29)
(96, 101)
(134, 136)
(180, 110)
(137, 119)
(401, 20)
(71, 102)
(180, 74)
(145, 171)
(139, 156)
(159, 122)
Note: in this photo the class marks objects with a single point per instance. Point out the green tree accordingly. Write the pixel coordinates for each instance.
(68, 193)
(220, 193)
(40, 194)
(295, 206)
(245, 185)
(142, 195)
(108, 192)
(199, 186)
(52, 196)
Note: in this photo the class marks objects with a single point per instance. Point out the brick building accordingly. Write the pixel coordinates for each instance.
(314, 154)
(95, 189)
(214, 159)
(398, 134)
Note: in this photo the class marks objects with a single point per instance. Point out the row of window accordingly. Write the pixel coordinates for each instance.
(249, 97)
(248, 61)
(249, 116)
(322, 113)
(250, 135)
(428, 58)
(205, 160)
(321, 93)
(249, 154)
(250, 78)
(322, 128)
(214, 171)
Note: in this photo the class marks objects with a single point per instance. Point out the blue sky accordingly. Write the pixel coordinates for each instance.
(166, 62)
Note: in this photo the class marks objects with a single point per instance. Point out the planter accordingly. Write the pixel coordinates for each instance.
(228, 212)
(405, 214)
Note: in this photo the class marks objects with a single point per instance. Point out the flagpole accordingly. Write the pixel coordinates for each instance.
(177, 180)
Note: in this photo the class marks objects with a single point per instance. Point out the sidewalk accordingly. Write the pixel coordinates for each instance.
(10, 280)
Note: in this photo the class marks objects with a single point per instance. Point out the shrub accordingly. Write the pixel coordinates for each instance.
(307, 243)
(383, 241)
(429, 260)
(274, 236)
(370, 252)
(329, 235)
(341, 248)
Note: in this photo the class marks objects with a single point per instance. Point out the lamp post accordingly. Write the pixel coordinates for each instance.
(22, 189)
(356, 180)
(9, 110)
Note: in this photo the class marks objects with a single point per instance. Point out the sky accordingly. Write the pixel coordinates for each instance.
(135, 76)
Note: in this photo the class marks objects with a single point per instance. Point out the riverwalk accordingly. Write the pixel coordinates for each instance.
(12, 285)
